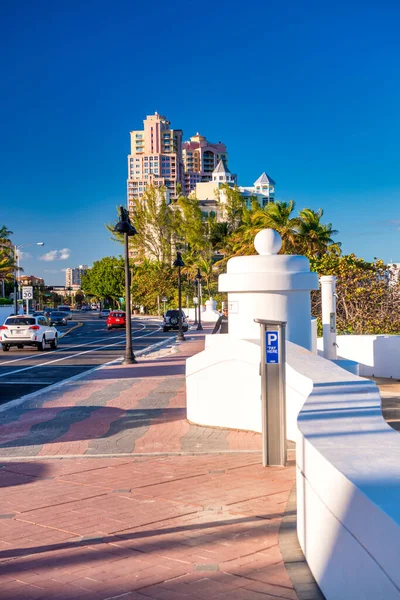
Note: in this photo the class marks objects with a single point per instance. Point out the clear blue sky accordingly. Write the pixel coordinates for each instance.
(307, 91)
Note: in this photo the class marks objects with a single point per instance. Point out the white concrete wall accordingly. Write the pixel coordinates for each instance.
(348, 481)
(377, 355)
(223, 386)
(348, 459)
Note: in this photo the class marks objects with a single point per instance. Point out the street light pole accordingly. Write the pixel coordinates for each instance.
(199, 279)
(17, 273)
(179, 263)
(125, 227)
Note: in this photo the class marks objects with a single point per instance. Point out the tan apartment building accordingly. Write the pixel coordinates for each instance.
(155, 158)
(200, 158)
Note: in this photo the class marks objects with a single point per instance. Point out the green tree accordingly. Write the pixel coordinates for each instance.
(155, 223)
(366, 303)
(106, 280)
(150, 282)
(232, 206)
(191, 228)
(313, 237)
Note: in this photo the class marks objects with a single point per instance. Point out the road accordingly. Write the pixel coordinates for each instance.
(86, 344)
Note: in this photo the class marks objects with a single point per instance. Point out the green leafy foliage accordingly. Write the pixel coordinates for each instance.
(366, 303)
(106, 280)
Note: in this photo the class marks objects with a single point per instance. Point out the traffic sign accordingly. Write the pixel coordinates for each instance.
(272, 348)
(27, 292)
(164, 299)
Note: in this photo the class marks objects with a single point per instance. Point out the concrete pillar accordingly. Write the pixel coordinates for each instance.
(269, 286)
(328, 300)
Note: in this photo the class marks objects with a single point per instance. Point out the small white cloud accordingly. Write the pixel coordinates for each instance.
(63, 270)
(56, 255)
(23, 255)
(50, 270)
(65, 253)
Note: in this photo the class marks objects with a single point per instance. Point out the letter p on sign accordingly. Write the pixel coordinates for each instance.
(271, 347)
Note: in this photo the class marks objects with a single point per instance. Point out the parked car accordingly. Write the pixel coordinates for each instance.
(116, 318)
(38, 313)
(66, 310)
(23, 331)
(57, 318)
(103, 314)
(171, 320)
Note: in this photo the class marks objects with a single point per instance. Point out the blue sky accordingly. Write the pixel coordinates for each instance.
(307, 91)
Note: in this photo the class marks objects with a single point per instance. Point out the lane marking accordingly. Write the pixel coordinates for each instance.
(72, 328)
(50, 362)
(114, 337)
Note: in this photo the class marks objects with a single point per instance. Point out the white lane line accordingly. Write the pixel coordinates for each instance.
(50, 362)
(114, 337)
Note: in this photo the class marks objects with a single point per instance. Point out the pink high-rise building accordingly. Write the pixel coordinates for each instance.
(155, 158)
(200, 158)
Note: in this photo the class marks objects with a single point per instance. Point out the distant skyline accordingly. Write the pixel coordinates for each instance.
(307, 92)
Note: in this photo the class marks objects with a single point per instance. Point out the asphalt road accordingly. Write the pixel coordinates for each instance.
(86, 344)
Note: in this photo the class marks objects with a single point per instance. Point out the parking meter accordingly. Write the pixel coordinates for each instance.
(273, 392)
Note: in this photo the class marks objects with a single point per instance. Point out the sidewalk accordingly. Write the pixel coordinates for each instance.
(107, 491)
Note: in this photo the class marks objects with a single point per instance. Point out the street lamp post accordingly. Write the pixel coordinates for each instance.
(125, 227)
(17, 273)
(195, 300)
(199, 280)
(179, 263)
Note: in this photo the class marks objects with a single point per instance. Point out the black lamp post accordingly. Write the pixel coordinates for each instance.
(125, 227)
(199, 280)
(195, 299)
(179, 263)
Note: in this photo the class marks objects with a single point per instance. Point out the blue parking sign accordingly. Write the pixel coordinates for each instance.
(272, 348)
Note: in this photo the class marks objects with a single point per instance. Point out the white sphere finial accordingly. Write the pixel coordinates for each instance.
(267, 241)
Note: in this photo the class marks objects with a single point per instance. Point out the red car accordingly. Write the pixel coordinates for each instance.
(116, 318)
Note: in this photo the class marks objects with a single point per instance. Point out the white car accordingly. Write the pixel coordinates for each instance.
(28, 330)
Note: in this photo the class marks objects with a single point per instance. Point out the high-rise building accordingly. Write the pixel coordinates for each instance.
(200, 158)
(73, 277)
(155, 158)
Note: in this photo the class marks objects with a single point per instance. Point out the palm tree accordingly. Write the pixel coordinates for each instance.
(315, 239)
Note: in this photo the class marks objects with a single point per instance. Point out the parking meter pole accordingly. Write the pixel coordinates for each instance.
(273, 393)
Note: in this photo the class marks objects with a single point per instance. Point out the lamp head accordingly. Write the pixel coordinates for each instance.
(39, 243)
(179, 261)
(198, 275)
(124, 225)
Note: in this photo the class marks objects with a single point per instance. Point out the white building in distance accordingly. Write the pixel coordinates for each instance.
(73, 277)
(208, 193)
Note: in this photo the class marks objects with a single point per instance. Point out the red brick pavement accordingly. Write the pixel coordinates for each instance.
(114, 518)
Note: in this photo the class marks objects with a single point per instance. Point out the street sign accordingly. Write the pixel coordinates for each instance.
(164, 299)
(27, 292)
(272, 348)
(195, 300)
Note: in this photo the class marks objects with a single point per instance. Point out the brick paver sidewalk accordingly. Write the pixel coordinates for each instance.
(107, 492)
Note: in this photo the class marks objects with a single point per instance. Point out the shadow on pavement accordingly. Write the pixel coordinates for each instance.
(115, 419)
(13, 474)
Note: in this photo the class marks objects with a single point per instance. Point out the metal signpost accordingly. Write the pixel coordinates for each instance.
(273, 393)
(27, 294)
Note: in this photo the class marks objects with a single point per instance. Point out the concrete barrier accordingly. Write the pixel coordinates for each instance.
(348, 481)
(377, 355)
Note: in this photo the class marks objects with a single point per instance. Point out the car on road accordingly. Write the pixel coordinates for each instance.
(171, 320)
(103, 314)
(28, 330)
(116, 318)
(66, 310)
(57, 318)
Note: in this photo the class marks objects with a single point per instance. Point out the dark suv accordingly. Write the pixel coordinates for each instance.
(171, 320)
